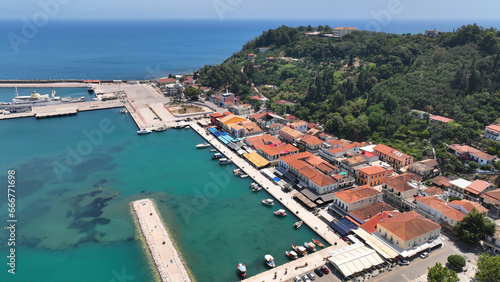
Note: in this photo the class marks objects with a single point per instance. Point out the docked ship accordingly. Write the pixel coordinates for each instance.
(90, 88)
(36, 99)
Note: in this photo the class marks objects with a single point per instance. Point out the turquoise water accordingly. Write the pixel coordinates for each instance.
(73, 194)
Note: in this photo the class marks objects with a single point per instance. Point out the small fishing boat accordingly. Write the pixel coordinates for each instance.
(242, 270)
(256, 188)
(318, 243)
(280, 212)
(253, 185)
(203, 145)
(161, 128)
(301, 250)
(224, 161)
(268, 202)
(236, 173)
(291, 254)
(295, 248)
(269, 261)
(244, 176)
(213, 150)
(298, 224)
(143, 131)
(310, 246)
(216, 156)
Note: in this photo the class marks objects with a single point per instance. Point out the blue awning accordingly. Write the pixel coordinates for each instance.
(343, 226)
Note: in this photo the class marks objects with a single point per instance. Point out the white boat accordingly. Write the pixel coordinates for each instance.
(90, 87)
(213, 150)
(161, 128)
(256, 188)
(187, 127)
(216, 156)
(269, 261)
(298, 224)
(291, 254)
(280, 212)
(124, 111)
(242, 269)
(203, 145)
(268, 202)
(143, 131)
(310, 246)
(244, 175)
(302, 250)
(224, 161)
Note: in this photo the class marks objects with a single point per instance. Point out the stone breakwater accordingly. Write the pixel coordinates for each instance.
(165, 256)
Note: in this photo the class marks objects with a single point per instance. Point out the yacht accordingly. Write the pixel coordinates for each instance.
(268, 202)
(203, 145)
(224, 161)
(143, 131)
(270, 261)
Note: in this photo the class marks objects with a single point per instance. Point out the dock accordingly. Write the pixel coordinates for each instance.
(165, 256)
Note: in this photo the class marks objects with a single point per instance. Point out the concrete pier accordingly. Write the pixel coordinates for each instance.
(163, 252)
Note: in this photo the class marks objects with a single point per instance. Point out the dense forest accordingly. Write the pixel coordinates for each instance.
(363, 85)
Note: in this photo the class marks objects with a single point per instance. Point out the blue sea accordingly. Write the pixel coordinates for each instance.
(145, 49)
(77, 175)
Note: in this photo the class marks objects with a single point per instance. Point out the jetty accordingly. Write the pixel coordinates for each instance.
(165, 256)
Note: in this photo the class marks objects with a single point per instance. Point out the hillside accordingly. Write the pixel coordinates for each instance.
(363, 86)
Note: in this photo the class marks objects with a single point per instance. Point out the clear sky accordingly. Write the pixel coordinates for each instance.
(246, 9)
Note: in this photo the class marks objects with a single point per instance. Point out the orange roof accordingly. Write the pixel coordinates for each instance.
(357, 193)
(400, 182)
(216, 115)
(298, 123)
(336, 150)
(371, 170)
(311, 140)
(409, 225)
(261, 140)
(442, 207)
(371, 225)
(434, 191)
(492, 196)
(371, 210)
(334, 142)
(356, 159)
(441, 181)
(166, 80)
(323, 180)
(482, 155)
(259, 115)
(292, 132)
(493, 128)
(468, 205)
(477, 186)
(278, 150)
(306, 164)
(441, 119)
(393, 153)
(274, 125)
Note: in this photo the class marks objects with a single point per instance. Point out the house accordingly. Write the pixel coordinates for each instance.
(331, 154)
(373, 175)
(491, 200)
(492, 131)
(370, 225)
(309, 143)
(465, 189)
(350, 163)
(438, 211)
(392, 156)
(442, 182)
(251, 56)
(272, 152)
(268, 118)
(274, 128)
(398, 188)
(241, 110)
(466, 206)
(167, 80)
(243, 129)
(370, 157)
(291, 118)
(331, 144)
(214, 118)
(173, 89)
(440, 119)
(426, 168)
(344, 180)
(300, 126)
(290, 135)
(255, 142)
(356, 198)
(340, 32)
(222, 122)
(361, 215)
(311, 171)
(408, 230)
(433, 191)
(457, 187)
(431, 33)
(492, 243)
(465, 152)
(225, 100)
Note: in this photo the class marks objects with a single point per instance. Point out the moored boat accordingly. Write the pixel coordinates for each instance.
(256, 188)
(269, 260)
(242, 270)
(224, 161)
(143, 131)
(213, 150)
(280, 212)
(268, 202)
(302, 250)
(298, 224)
(244, 176)
(291, 254)
(203, 145)
(216, 156)
(161, 128)
(310, 246)
(318, 243)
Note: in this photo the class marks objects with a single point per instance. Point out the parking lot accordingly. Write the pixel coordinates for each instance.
(330, 277)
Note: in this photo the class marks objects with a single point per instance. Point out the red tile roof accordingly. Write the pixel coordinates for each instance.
(442, 207)
(311, 140)
(273, 150)
(400, 182)
(369, 211)
(468, 205)
(409, 225)
(493, 128)
(357, 193)
(391, 152)
(371, 225)
(167, 80)
(368, 154)
(261, 140)
(492, 196)
(371, 170)
(477, 186)
(441, 119)
(432, 191)
(336, 150)
(441, 181)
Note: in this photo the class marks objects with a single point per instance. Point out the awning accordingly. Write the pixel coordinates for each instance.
(343, 226)
(327, 197)
(309, 194)
(256, 159)
(355, 260)
(304, 200)
(382, 248)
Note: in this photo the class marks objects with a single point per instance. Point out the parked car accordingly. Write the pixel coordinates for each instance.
(424, 255)
(325, 269)
(312, 276)
(319, 272)
(403, 262)
(305, 278)
(297, 279)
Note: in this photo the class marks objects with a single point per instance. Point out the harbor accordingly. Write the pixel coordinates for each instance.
(163, 252)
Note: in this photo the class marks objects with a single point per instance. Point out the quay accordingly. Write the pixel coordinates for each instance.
(165, 256)
(286, 199)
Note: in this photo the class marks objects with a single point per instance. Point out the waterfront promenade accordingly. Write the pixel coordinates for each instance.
(165, 256)
(286, 199)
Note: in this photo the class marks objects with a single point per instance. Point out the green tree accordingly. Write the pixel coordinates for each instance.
(456, 261)
(473, 165)
(474, 226)
(488, 268)
(439, 273)
(192, 93)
